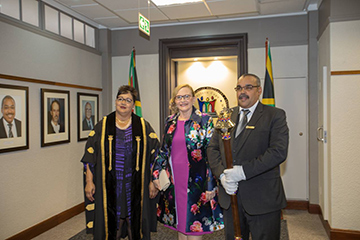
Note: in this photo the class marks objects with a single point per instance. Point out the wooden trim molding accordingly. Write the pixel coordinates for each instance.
(49, 223)
(341, 234)
(338, 234)
(32, 80)
(297, 205)
(314, 209)
(354, 72)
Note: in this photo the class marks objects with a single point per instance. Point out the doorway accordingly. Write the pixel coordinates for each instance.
(206, 46)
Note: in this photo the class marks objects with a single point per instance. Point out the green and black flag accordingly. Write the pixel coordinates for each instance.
(133, 81)
(268, 93)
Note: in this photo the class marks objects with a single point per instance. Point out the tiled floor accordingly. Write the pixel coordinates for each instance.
(301, 225)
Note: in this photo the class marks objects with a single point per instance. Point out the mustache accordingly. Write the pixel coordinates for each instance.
(243, 95)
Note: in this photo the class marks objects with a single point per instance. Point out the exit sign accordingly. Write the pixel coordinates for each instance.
(144, 24)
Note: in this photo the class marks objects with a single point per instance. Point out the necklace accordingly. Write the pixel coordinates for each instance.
(120, 121)
(120, 124)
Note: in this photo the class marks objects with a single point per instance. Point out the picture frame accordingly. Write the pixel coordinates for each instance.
(14, 102)
(55, 117)
(88, 114)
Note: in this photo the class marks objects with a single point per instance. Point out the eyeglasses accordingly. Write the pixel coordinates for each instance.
(246, 88)
(127, 100)
(185, 97)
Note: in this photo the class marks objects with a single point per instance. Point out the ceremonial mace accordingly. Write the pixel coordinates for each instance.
(224, 126)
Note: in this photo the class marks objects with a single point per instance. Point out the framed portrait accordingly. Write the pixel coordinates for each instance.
(14, 118)
(55, 117)
(88, 114)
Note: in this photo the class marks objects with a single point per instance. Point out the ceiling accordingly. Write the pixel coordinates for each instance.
(118, 14)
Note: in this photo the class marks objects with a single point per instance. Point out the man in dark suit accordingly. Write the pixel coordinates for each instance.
(9, 126)
(259, 145)
(54, 125)
(89, 120)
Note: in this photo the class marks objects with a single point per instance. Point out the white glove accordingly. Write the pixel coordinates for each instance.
(230, 187)
(235, 174)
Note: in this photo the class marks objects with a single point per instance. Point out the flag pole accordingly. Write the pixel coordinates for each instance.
(266, 51)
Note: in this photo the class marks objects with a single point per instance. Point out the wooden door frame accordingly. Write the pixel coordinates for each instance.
(203, 46)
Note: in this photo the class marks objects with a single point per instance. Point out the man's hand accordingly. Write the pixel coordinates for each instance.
(230, 187)
(90, 190)
(235, 174)
(153, 191)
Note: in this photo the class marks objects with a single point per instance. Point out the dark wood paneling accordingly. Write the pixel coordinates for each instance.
(48, 223)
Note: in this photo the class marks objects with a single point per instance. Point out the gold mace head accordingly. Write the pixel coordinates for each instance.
(224, 123)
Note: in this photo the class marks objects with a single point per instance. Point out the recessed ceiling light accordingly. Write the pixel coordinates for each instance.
(171, 2)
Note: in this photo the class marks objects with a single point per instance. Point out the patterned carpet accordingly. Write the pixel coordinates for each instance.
(167, 234)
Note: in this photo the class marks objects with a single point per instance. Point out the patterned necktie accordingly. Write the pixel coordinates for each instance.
(243, 122)
(11, 135)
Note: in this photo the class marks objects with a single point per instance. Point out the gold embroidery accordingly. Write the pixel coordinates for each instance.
(137, 138)
(92, 133)
(143, 172)
(153, 135)
(103, 178)
(90, 150)
(90, 206)
(90, 224)
(110, 152)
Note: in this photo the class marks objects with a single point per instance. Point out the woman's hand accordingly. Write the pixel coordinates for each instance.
(153, 191)
(156, 183)
(90, 186)
(210, 195)
(90, 190)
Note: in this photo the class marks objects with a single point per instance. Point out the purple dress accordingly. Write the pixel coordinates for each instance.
(180, 169)
(123, 158)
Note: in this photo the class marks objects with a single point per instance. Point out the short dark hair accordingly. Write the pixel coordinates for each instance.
(127, 89)
(258, 82)
(6, 97)
(54, 101)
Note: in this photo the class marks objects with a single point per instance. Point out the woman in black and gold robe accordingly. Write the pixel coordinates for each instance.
(120, 199)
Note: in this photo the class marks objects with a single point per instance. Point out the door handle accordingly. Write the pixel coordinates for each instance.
(320, 138)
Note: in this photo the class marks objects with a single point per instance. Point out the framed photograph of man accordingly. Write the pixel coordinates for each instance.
(14, 118)
(55, 117)
(88, 114)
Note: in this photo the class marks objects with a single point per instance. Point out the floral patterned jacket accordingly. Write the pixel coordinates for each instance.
(202, 215)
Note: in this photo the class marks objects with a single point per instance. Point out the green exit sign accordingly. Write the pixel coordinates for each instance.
(144, 24)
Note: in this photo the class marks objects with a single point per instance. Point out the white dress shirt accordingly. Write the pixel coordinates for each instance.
(13, 128)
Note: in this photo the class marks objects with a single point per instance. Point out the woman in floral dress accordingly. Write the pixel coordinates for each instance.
(189, 205)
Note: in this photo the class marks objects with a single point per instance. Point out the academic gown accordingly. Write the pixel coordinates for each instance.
(100, 153)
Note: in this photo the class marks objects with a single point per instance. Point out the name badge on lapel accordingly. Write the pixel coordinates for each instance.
(250, 127)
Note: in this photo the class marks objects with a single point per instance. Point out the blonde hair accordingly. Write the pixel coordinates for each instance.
(172, 104)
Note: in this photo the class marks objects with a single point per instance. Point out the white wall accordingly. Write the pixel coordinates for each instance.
(147, 68)
(38, 183)
(344, 134)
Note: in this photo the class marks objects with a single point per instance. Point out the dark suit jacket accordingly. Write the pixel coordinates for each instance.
(51, 129)
(85, 125)
(260, 149)
(3, 131)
